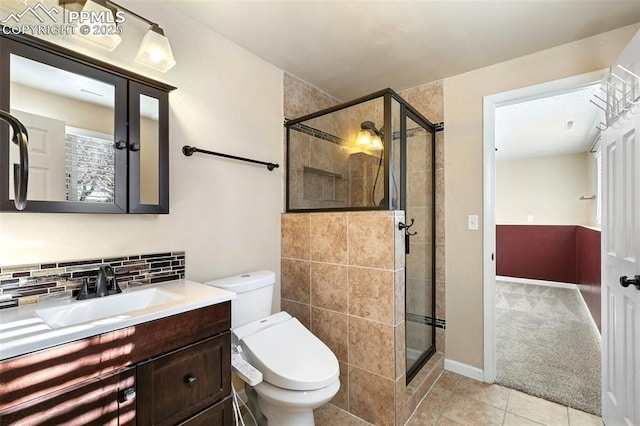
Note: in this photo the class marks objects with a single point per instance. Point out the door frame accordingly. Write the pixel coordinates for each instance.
(490, 103)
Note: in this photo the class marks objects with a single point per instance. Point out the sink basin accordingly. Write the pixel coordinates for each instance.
(105, 309)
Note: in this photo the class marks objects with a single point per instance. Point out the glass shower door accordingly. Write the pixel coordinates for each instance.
(420, 273)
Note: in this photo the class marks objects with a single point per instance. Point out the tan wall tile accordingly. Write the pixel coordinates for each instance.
(400, 345)
(295, 236)
(440, 225)
(329, 286)
(371, 241)
(440, 262)
(405, 402)
(371, 346)
(329, 238)
(371, 397)
(441, 300)
(428, 100)
(332, 328)
(439, 187)
(341, 399)
(302, 311)
(419, 152)
(419, 189)
(296, 97)
(399, 295)
(371, 294)
(441, 341)
(295, 280)
(440, 150)
(419, 261)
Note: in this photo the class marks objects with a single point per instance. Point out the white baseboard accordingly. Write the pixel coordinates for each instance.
(537, 282)
(464, 369)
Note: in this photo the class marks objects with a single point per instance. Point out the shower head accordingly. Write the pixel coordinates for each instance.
(370, 125)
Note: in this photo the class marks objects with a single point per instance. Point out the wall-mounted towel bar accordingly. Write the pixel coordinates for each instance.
(588, 197)
(189, 150)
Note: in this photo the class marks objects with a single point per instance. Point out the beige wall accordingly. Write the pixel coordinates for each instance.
(592, 188)
(463, 102)
(547, 188)
(225, 214)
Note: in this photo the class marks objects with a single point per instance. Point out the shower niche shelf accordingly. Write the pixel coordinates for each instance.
(322, 185)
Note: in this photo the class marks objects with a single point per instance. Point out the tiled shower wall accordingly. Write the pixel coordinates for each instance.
(35, 283)
(343, 277)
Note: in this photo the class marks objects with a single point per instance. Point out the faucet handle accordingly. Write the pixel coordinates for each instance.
(84, 290)
(112, 282)
(101, 282)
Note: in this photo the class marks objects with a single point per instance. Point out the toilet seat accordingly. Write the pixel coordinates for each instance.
(288, 355)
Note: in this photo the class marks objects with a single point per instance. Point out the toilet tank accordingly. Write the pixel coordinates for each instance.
(255, 295)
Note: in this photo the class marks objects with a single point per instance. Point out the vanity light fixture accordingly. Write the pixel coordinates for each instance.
(105, 41)
(154, 52)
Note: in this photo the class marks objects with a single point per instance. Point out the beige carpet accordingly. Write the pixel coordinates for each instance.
(546, 345)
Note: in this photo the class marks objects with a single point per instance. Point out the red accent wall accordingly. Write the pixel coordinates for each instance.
(539, 252)
(589, 269)
(561, 253)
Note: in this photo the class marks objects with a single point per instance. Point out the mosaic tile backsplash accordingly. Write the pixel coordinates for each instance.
(62, 280)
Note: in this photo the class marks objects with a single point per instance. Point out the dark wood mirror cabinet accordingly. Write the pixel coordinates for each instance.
(98, 134)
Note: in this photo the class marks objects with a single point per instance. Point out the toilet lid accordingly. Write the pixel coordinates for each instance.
(291, 357)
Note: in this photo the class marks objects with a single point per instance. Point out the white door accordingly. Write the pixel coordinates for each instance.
(46, 157)
(621, 256)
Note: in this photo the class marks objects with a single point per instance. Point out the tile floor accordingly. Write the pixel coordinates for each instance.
(457, 400)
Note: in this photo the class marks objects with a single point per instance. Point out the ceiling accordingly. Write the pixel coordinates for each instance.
(351, 48)
(554, 125)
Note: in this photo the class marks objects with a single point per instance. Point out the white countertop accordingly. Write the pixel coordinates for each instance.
(23, 331)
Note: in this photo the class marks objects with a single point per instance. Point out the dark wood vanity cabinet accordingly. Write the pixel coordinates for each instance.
(96, 401)
(175, 370)
(174, 386)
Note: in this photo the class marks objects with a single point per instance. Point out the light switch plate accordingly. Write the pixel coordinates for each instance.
(472, 222)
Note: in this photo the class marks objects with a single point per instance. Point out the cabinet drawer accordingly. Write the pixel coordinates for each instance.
(94, 402)
(220, 414)
(176, 385)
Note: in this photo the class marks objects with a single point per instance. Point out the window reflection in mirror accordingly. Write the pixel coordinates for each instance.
(149, 150)
(70, 120)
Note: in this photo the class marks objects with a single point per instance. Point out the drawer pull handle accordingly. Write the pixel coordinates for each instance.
(191, 381)
(128, 395)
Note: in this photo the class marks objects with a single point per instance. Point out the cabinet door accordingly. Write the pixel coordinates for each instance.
(75, 115)
(148, 149)
(173, 387)
(218, 415)
(94, 402)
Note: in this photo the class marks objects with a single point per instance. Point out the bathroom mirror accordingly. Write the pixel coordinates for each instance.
(71, 121)
(98, 134)
(149, 143)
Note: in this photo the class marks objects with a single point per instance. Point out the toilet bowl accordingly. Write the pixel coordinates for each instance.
(300, 373)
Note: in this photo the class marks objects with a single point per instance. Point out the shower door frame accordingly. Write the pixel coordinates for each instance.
(408, 112)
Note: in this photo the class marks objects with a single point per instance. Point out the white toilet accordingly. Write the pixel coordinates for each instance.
(300, 373)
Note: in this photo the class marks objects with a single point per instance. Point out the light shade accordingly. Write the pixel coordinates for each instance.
(364, 138)
(376, 143)
(107, 42)
(155, 51)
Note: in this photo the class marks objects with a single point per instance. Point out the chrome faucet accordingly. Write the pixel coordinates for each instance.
(106, 284)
